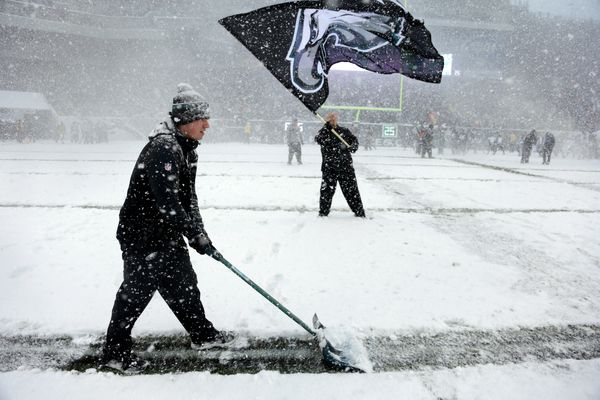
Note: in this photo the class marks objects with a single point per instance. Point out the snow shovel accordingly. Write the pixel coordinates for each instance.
(332, 357)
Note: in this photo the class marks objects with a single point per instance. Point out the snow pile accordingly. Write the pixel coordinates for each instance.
(351, 348)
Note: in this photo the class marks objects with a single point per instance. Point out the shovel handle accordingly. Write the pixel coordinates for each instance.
(219, 257)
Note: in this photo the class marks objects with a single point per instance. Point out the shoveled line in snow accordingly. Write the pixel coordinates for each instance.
(61, 173)
(468, 164)
(302, 209)
(406, 178)
(64, 160)
(127, 173)
(384, 178)
(517, 172)
(207, 161)
(475, 347)
(132, 161)
(389, 351)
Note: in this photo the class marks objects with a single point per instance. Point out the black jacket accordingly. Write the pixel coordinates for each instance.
(161, 205)
(549, 141)
(336, 156)
(530, 139)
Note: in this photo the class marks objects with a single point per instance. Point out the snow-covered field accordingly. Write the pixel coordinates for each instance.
(447, 245)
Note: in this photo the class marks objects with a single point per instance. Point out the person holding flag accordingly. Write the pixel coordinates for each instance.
(337, 143)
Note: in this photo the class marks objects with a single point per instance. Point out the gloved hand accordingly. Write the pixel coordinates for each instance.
(343, 146)
(202, 244)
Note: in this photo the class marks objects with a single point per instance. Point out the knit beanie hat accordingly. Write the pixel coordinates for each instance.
(188, 105)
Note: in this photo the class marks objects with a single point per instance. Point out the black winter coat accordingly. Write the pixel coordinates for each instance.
(336, 156)
(161, 205)
(530, 139)
(549, 141)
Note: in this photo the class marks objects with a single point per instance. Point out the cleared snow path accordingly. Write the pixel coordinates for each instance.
(392, 352)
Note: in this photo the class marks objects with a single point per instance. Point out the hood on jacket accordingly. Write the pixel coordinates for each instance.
(165, 127)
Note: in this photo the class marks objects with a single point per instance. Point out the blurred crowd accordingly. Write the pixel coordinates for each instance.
(463, 140)
(30, 129)
(426, 139)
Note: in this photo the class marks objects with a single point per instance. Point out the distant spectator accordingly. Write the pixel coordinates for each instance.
(513, 142)
(369, 138)
(247, 132)
(496, 143)
(20, 131)
(59, 136)
(441, 138)
(293, 138)
(528, 142)
(593, 139)
(426, 137)
(547, 147)
(75, 132)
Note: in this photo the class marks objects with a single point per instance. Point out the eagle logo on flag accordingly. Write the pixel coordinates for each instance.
(299, 41)
(325, 37)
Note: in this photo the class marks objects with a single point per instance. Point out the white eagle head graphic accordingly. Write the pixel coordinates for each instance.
(324, 37)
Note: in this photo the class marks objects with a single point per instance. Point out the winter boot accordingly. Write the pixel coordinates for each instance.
(131, 364)
(216, 340)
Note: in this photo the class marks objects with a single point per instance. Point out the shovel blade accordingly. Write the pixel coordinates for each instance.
(333, 357)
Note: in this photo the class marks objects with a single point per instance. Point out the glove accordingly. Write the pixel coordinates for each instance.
(202, 244)
(343, 146)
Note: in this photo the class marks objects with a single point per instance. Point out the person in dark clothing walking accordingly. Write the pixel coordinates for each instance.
(293, 138)
(336, 166)
(547, 147)
(426, 136)
(369, 137)
(528, 143)
(161, 208)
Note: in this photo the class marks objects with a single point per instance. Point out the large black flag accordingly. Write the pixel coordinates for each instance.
(300, 41)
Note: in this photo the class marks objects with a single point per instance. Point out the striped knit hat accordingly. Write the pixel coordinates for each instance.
(188, 105)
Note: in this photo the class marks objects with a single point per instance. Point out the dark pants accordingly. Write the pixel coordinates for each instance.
(525, 154)
(426, 149)
(171, 273)
(546, 154)
(349, 190)
(296, 149)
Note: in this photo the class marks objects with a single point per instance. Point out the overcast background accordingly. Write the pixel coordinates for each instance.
(572, 8)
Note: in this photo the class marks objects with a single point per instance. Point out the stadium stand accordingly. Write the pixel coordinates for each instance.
(121, 59)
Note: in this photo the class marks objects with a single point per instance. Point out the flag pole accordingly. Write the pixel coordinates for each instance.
(402, 76)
